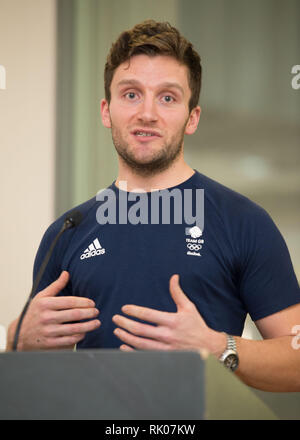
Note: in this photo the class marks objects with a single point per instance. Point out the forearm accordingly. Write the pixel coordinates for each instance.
(10, 335)
(269, 364)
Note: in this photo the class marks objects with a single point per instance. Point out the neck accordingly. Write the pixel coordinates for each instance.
(172, 176)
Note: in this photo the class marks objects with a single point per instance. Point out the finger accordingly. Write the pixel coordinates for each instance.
(137, 328)
(63, 342)
(124, 347)
(58, 330)
(68, 302)
(57, 285)
(140, 343)
(147, 314)
(71, 315)
(179, 297)
(78, 328)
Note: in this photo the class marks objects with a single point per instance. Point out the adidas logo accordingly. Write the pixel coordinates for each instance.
(94, 249)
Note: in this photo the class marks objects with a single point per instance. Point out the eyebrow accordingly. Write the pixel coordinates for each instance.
(136, 83)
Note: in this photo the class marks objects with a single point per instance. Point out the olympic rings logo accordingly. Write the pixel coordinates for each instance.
(194, 247)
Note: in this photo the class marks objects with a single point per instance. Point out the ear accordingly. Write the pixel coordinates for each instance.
(105, 113)
(193, 120)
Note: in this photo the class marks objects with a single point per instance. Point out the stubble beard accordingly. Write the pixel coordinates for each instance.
(158, 162)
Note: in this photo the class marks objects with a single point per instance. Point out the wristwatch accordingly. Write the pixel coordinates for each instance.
(229, 357)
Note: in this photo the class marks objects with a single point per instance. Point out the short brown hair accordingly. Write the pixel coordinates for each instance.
(155, 38)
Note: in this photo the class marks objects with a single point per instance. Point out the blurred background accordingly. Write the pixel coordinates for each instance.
(55, 153)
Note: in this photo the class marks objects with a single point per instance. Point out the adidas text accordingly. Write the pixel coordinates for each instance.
(92, 253)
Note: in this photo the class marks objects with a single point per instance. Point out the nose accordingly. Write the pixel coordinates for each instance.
(147, 109)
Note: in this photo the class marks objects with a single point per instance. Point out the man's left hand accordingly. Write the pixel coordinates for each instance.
(182, 330)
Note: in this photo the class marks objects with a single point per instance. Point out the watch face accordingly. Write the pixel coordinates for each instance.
(231, 362)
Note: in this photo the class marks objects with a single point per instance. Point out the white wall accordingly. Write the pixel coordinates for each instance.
(27, 144)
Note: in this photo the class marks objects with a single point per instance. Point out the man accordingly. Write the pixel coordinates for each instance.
(166, 285)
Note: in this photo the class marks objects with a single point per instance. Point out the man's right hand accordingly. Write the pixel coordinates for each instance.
(49, 321)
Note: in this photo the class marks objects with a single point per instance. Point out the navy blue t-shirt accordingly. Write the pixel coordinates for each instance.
(231, 261)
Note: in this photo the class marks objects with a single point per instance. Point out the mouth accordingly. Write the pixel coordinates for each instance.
(146, 134)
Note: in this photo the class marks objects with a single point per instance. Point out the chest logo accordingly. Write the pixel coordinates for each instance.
(194, 244)
(93, 250)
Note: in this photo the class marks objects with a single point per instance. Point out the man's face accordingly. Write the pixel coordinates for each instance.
(149, 112)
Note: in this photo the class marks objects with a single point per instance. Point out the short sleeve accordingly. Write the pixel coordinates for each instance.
(54, 266)
(268, 282)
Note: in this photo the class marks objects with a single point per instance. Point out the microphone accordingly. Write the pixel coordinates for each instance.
(72, 220)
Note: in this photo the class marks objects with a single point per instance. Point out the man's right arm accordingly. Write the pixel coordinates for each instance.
(53, 322)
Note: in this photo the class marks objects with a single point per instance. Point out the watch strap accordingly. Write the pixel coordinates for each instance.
(229, 358)
(231, 344)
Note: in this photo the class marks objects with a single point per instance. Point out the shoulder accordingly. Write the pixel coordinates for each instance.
(84, 209)
(229, 203)
(87, 214)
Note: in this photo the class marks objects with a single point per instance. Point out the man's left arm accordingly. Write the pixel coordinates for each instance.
(272, 364)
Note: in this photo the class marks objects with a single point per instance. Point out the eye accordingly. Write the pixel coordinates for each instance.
(168, 98)
(131, 96)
